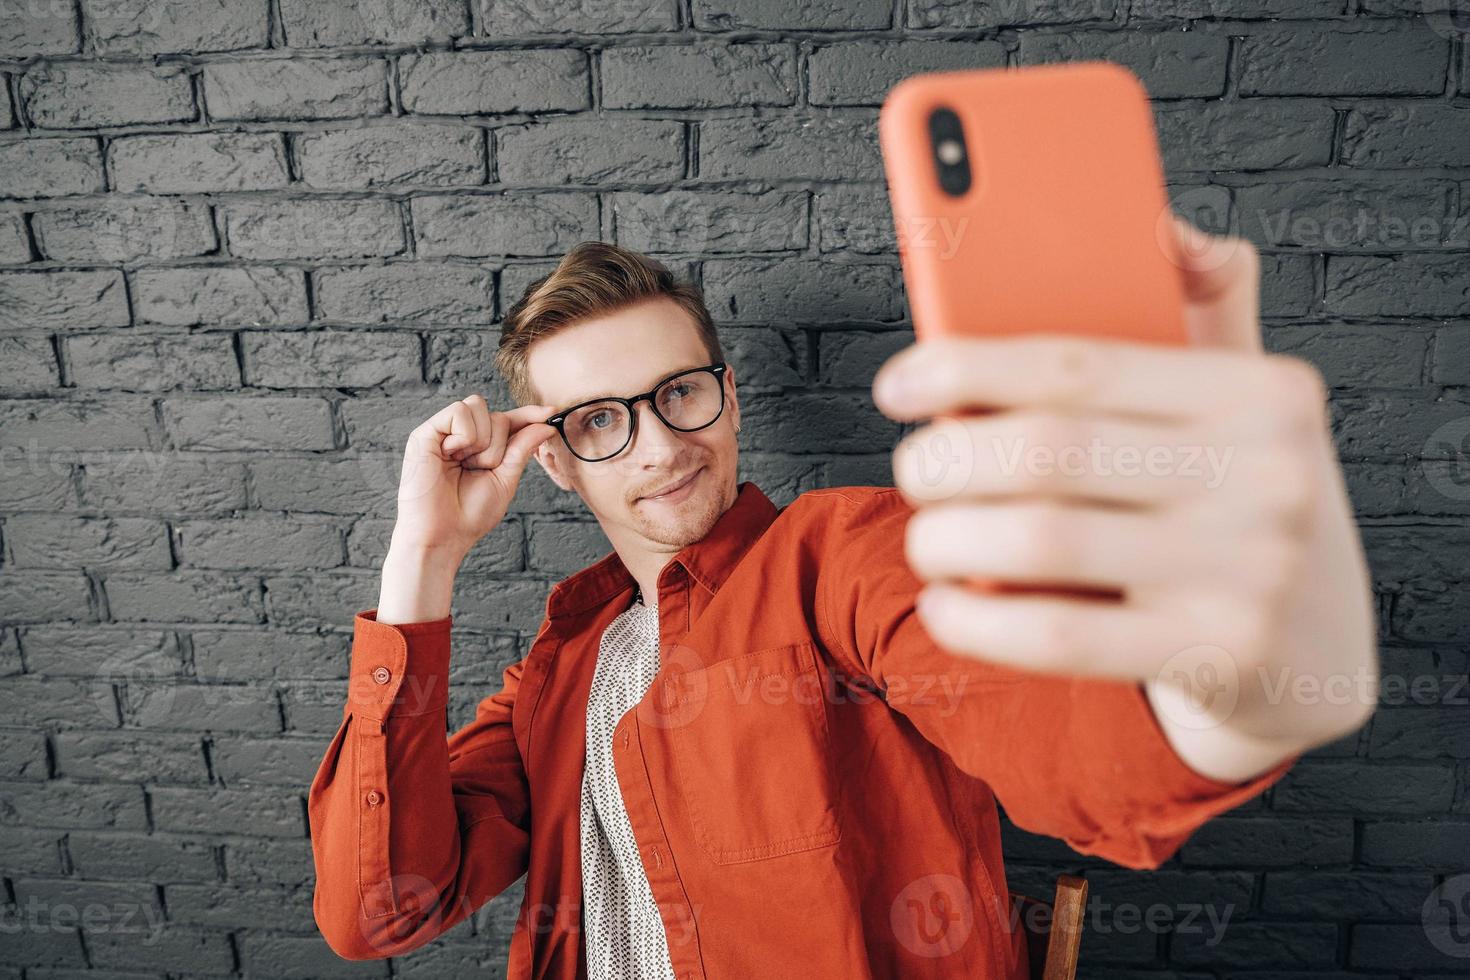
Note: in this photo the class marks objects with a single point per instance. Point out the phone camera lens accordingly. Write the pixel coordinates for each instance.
(947, 142)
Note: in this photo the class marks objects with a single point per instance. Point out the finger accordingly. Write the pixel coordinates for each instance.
(484, 425)
(452, 427)
(1050, 544)
(953, 374)
(1124, 640)
(514, 421)
(518, 451)
(1045, 453)
(1221, 277)
(487, 454)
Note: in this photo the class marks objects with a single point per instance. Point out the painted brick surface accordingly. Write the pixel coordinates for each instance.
(246, 245)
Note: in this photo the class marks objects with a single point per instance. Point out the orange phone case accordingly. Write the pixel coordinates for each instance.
(1064, 227)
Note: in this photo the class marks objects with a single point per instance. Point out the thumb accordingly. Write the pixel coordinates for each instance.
(1221, 278)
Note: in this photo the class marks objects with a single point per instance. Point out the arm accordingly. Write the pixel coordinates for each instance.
(411, 833)
(1079, 758)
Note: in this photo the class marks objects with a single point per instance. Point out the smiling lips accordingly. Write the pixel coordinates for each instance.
(675, 487)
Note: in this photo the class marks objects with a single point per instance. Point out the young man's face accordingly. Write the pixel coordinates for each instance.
(626, 353)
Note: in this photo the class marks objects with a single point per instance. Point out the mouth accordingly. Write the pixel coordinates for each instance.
(675, 490)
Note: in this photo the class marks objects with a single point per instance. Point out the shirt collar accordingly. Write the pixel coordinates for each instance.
(708, 560)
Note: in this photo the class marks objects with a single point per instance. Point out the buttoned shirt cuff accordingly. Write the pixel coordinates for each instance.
(1158, 800)
(399, 669)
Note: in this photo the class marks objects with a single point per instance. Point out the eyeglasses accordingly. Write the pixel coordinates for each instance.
(685, 402)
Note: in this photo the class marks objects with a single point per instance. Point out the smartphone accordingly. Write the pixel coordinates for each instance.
(1031, 200)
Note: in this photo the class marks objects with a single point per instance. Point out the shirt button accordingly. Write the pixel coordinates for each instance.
(382, 675)
(374, 797)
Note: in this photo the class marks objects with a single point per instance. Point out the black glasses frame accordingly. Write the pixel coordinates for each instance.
(717, 369)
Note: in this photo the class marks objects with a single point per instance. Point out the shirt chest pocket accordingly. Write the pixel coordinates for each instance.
(751, 752)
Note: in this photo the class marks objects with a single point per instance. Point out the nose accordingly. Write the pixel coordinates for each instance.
(650, 432)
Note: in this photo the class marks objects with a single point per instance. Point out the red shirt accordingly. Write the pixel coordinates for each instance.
(812, 780)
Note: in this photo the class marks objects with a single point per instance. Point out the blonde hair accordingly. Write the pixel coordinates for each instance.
(593, 278)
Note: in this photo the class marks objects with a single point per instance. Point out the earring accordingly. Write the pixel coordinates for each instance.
(737, 426)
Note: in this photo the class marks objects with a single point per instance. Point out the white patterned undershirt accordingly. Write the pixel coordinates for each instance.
(623, 931)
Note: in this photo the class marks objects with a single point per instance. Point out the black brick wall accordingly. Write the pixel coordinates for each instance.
(246, 245)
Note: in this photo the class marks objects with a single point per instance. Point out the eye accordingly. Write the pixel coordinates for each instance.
(679, 389)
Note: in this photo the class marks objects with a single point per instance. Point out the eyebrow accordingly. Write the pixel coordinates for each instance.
(661, 380)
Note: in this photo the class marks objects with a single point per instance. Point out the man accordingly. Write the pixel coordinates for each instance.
(756, 743)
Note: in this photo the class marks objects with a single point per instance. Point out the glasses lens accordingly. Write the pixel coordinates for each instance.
(690, 401)
(687, 402)
(597, 430)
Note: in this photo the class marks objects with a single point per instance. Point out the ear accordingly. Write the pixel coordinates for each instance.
(731, 397)
(547, 457)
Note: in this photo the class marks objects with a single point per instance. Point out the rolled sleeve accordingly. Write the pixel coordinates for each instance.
(384, 680)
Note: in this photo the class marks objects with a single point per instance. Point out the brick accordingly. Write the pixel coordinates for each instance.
(31, 27)
(392, 155)
(15, 244)
(698, 77)
(811, 422)
(30, 851)
(586, 150)
(328, 23)
(862, 72)
(148, 27)
(854, 219)
(38, 597)
(200, 707)
(265, 542)
(850, 359)
(301, 957)
(236, 423)
(171, 948)
(1451, 356)
(81, 96)
(162, 483)
(785, 289)
(330, 359)
(64, 541)
(1332, 894)
(1336, 215)
(192, 163)
(1243, 9)
(183, 297)
(1357, 788)
(61, 803)
(360, 484)
(539, 224)
(1406, 135)
(266, 761)
(263, 860)
(1437, 945)
(730, 15)
(1253, 944)
(1289, 285)
(286, 89)
(131, 654)
(483, 82)
(221, 656)
(1434, 844)
(50, 300)
(1410, 61)
(216, 904)
(1262, 135)
(28, 364)
(1405, 424)
(129, 231)
(695, 221)
(50, 167)
(1436, 732)
(151, 362)
(385, 422)
(184, 597)
(436, 292)
(59, 703)
(294, 229)
(74, 424)
(953, 14)
(23, 756)
(500, 18)
(1270, 842)
(832, 146)
(130, 757)
(1356, 356)
(154, 857)
(1171, 65)
(1398, 285)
